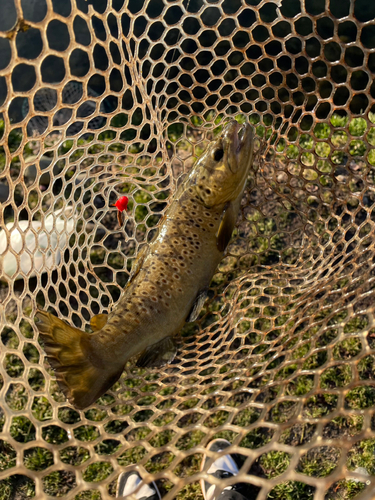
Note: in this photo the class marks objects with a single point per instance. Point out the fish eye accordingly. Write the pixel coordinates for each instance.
(218, 154)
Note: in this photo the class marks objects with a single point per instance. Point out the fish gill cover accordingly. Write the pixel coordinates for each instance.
(100, 100)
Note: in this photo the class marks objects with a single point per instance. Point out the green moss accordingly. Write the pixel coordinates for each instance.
(54, 434)
(291, 490)
(74, 455)
(38, 458)
(319, 462)
(345, 490)
(159, 462)
(347, 348)
(361, 397)
(337, 376)
(162, 438)
(274, 463)
(357, 126)
(41, 409)
(356, 324)
(88, 495)
(59, 483)
(300, 385)
(17, 487)
(14, 365)
(68, 415)
(86, 433)
(132, 456)
(97, 471)
(257, 438)
(107, 447)
(362, 455)
(7, 456)
(22, 430)
(116, 426)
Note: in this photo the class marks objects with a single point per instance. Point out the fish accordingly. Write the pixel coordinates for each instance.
(169, 281)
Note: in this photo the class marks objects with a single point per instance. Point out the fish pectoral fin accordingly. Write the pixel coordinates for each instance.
(98, 322)
(158, 354)
(197, 306)
(227, 223)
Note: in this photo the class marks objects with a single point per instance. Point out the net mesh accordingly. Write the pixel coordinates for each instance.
(101, 99)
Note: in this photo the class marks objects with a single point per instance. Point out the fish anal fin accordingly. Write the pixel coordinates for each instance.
(158, 354)
(197, 306)
(98, 321)
(87, 393)
(227, 223)
(81, 372)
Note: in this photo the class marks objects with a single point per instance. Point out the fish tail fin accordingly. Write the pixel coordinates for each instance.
(80, 373)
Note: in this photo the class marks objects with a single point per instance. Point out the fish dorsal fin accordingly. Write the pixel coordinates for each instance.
(227, 223)
(197, 306)
(98, 322)
(158, 354)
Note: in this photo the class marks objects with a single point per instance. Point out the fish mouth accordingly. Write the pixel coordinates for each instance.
(238, 140)
(242, 136)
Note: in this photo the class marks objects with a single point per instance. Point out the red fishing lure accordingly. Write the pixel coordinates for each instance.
(121, 205)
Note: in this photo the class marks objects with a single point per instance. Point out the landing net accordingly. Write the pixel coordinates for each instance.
(104, 99)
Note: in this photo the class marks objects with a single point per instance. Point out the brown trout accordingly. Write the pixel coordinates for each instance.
(169, 282)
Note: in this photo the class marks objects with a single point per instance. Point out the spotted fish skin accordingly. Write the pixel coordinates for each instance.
(174, 270)
(169, 276)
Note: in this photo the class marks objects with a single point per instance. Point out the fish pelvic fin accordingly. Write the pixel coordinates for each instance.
(159, 354)
(80, 374)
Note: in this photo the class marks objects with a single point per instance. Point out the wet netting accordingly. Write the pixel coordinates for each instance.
(100, 99)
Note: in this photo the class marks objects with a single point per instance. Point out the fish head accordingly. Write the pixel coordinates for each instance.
(221, 172)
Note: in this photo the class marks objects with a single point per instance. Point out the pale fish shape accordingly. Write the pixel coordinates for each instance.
(42, 250)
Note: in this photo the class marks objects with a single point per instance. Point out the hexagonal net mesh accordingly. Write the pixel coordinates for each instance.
(100, 99)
